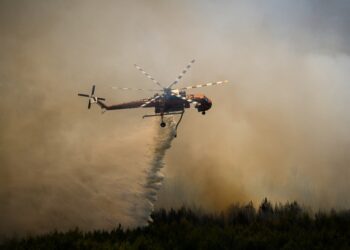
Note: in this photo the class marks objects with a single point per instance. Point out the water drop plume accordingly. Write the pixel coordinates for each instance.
(154, 176)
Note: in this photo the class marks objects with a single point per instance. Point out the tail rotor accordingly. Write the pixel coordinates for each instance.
(92, 98)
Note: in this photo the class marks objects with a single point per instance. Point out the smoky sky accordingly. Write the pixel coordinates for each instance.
(280, 129)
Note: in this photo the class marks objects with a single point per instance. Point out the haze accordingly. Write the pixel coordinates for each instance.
(279, 130)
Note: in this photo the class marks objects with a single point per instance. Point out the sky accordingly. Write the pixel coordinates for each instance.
(279, 130)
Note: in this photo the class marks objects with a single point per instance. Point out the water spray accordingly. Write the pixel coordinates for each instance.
(154, 176)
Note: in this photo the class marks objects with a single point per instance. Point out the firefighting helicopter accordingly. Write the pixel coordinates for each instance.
(169, 102)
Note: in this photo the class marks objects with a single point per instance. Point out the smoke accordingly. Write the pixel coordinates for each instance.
(279, 130)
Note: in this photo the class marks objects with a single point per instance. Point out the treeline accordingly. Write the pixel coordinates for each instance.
(281, 226)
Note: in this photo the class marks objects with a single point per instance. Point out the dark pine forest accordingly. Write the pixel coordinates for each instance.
(279, 226)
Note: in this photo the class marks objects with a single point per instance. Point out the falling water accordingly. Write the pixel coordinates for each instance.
(154, 176)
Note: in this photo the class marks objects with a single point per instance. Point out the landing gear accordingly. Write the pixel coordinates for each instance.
(203, 112)
(162, 124)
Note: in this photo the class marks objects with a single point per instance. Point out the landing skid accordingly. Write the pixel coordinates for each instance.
(162, 124)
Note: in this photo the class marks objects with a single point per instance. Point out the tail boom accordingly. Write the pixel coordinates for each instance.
(126, 105)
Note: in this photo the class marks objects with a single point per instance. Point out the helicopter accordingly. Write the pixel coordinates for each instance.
(168, 102)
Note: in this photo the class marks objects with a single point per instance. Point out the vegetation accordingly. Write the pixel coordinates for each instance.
(287, 226)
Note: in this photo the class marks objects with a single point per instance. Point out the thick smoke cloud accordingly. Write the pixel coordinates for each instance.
(279, 130)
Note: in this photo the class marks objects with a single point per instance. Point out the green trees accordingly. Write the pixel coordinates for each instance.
(279, 226)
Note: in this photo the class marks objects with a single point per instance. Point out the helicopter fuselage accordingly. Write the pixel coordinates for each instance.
(165, 104)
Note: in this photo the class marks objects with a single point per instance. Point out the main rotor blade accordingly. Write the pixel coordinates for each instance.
(89, 105)
(202, 85)
(148, 76)
(182, 73)
(150, 101)
(101, 99)
(184, 98)
(84, 95)
(135, 89)
(93, 90)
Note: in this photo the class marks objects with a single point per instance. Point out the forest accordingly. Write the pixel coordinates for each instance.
(240, 226)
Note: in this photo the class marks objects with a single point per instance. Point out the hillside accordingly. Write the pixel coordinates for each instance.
(287, 226)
